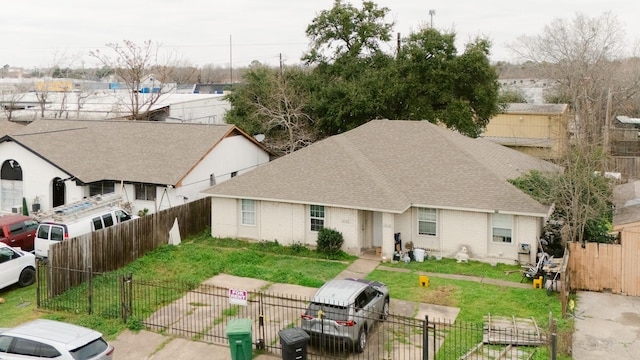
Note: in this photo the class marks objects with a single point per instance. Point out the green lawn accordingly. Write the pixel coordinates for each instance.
(201, 257)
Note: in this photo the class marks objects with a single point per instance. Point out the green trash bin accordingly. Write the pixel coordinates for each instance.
(239, 336)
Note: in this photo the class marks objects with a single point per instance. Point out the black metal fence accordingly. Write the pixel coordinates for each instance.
(202, 312)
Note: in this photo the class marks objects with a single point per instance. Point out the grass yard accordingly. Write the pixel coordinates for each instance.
(201, 257)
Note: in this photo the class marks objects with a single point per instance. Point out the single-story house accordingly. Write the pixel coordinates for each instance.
(154, 165)
(440, 190)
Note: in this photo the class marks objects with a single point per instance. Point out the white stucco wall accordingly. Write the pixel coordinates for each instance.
(204, 109)
(224, 218)
(289, 223)
(232, 154)
(38, 176)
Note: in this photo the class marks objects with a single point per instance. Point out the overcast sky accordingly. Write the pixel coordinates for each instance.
(43, 33)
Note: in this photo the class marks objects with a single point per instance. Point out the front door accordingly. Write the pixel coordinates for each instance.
(58, 189)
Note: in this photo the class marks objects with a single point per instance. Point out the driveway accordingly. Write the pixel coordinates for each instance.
(607, 327)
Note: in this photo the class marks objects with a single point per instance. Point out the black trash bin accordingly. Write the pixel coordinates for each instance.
(294, 343)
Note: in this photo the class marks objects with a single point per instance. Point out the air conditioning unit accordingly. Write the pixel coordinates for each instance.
(16, 210)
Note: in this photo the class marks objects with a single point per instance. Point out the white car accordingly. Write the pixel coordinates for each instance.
(41, 338)
(16, 266)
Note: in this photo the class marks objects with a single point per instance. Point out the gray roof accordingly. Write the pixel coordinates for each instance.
(389, 166)
(9, 127)
(550, 109)
(132, 151)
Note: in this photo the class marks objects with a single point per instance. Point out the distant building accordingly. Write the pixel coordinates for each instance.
(540, 130)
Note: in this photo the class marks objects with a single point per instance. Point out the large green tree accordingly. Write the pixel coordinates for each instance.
(352, 80)
(355, 81)
(434, 83)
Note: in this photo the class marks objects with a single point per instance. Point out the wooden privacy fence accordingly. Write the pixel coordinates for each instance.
(607, 267)
(116, 246)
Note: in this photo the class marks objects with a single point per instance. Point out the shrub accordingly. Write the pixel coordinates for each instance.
(330, 242)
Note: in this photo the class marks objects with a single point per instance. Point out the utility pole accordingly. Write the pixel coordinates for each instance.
(431, 13)
(230, 61)
(607, 124)
(398, 50)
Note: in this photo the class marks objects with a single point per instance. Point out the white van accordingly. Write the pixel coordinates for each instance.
(75, 220)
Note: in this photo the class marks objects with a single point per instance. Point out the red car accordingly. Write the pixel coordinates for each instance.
(18, 231)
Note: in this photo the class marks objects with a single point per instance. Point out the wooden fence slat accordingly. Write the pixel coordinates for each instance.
(607, 267)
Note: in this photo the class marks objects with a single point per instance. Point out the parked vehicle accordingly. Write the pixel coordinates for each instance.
(18, 231)
(16, 266)
(345, 310)
(42, 338)
(77, 219)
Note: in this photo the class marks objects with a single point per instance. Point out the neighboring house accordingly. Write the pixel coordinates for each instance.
(154, 165)
(540, 130)
(437, 188)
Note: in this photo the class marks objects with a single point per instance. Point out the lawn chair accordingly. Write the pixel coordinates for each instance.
(533, 272)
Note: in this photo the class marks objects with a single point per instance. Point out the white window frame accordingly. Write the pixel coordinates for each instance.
(316, 217)
(427, 216)
(502, 228)
(248, 212)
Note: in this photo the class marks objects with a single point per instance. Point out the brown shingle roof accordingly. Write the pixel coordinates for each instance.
(392, 165)
(137, 151)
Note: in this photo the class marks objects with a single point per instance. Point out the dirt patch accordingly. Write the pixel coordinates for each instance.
(441, 295)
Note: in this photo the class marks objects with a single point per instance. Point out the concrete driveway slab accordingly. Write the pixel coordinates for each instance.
(302, 292)
(236, 282)
(183, 349)
(607, 326)
(136, 346)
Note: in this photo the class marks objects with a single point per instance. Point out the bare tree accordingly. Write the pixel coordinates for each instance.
(11, 98)
(284, 109)
(584, 56)
(144, 73)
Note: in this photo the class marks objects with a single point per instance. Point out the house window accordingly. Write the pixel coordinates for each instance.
(501, 225)
(248, 212)
(11, 189)
(317, 217)
(145, 192)
(427, 221)
(102, 187)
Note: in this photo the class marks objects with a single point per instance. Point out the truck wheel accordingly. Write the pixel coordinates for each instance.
(27, 277)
